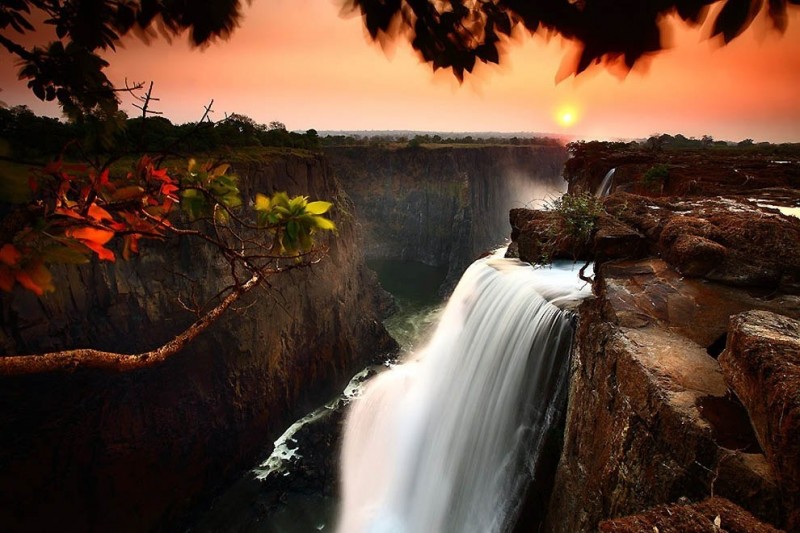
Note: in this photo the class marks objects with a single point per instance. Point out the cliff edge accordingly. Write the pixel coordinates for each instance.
(695, 304)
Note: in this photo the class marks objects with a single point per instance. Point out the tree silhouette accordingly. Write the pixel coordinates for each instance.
(70, 70)
(458, 33)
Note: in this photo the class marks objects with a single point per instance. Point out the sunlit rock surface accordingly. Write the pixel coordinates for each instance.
(713, 514)
(652, 418)
(762, 365)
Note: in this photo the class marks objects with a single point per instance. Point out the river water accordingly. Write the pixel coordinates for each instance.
(448, 440)
(247, 507)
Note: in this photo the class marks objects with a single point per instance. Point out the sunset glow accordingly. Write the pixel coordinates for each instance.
(301, 63)
(566, 116)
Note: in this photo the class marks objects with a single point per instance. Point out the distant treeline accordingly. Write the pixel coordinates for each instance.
(383, 139)
(666, 143)
(28, 137)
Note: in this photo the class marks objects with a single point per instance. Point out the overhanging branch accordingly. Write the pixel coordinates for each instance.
(87, 358)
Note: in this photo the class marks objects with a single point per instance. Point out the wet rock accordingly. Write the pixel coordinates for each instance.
(733, 240)
(541, 237)
(644, 423)
(762, 365)
(711, 515)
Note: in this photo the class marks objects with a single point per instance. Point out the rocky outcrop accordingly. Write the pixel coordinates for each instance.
(650, 418)
(761, 363)
(91, 451)
(700, 172)
(443, 206)
(713, 514)
(653, 417)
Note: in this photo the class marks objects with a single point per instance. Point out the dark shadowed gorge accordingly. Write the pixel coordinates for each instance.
(93, 451)
(443, 205)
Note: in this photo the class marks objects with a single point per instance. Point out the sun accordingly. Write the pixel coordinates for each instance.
(566, 116)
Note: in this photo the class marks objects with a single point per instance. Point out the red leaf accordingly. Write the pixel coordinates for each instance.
(88, 234)
(9, 254)
(161, 175)
(99, 214)
(103, 253)
(25, 280)
(168, 188)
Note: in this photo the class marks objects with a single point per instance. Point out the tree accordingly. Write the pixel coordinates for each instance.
(77, 212)
(458, 33)
(70, 70)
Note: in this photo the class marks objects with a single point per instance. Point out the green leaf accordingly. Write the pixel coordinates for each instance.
(262, 202)
(292, 230)
(318, 207)
(324, 224)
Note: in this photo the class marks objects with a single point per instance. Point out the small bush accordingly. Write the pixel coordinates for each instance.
(655, 177)
(579, 213)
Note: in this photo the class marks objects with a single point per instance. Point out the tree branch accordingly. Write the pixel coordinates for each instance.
(15, 48)
(85, 358)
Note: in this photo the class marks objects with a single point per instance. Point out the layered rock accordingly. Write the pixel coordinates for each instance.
(652, 416)
(762, 365)
(699, 172)
(90, 451)
(713, 514)
(443, 206)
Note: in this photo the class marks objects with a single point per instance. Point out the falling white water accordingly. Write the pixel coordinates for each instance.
(605, 185)
(445, 441)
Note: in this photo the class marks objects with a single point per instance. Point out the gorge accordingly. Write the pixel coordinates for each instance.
(670, 395)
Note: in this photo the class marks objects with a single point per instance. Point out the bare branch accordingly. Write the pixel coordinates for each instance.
(70, 360)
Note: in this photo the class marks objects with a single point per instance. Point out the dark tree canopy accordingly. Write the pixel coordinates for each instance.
(69, 69)
(458, 33)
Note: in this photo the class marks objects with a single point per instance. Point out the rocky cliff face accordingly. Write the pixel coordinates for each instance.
(653, 416)
(91, 451)
(443, 206)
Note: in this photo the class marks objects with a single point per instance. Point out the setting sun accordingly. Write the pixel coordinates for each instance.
(566, 116)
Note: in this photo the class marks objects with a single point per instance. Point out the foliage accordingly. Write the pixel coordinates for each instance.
(70, 68)
(655, 176)
(77, 212)
(460, 33)
(32, 138)
(295, 219)
(579, 213)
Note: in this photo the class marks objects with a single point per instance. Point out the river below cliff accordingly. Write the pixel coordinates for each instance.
(294, 489)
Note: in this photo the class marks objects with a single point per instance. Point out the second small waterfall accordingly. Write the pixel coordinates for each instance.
(446, 441)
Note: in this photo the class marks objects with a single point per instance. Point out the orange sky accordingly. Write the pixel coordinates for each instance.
(299, 62)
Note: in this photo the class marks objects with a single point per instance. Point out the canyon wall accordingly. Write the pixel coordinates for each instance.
(98, 451)
(674, 393)
(443, 205)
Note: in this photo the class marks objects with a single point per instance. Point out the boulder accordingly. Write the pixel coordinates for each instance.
(650, 417)
(761, 363)
(711, 515)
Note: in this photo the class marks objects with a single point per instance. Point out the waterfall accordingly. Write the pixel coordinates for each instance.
(605, 185)
(446, 441)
